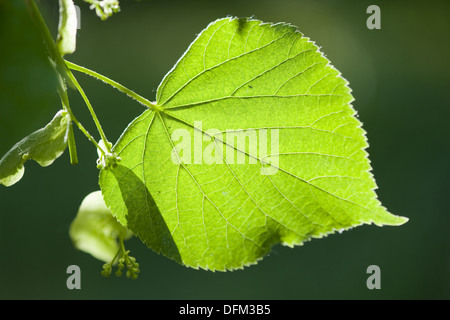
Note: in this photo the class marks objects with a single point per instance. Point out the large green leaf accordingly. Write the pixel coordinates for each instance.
(249, 79)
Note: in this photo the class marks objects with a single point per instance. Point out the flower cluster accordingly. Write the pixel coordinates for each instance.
(125, 260)
(106, 160)
(104, 8)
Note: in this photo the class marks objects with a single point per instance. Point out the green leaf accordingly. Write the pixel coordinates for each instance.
(43, 146)
(67, 28)
(95, 231)
(306, 176)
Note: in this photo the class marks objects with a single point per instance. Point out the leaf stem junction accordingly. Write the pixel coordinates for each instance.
(116, 85)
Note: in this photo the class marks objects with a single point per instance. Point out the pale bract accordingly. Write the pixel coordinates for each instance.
(215, 208)
(43, 146)
(67, 27)
(94, 229)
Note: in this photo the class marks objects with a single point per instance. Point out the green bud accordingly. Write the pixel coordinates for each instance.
(106, 273)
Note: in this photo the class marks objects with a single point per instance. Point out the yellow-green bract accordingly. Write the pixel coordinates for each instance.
(67, 28)
(95, 231)
(244, 75)
(43, 146)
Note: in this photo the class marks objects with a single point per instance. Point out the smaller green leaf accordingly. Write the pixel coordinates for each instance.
(95, 231)
(43, 146)
(67, 28)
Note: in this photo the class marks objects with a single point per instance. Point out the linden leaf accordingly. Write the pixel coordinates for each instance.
(253, 142)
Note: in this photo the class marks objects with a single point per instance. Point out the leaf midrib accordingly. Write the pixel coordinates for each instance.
(261, 161)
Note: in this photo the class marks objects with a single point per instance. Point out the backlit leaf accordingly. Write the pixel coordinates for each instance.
(254, 142)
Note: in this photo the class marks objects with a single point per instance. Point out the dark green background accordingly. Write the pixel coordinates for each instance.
(400, 80)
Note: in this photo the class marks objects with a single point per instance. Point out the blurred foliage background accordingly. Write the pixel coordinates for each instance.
(400, 80)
